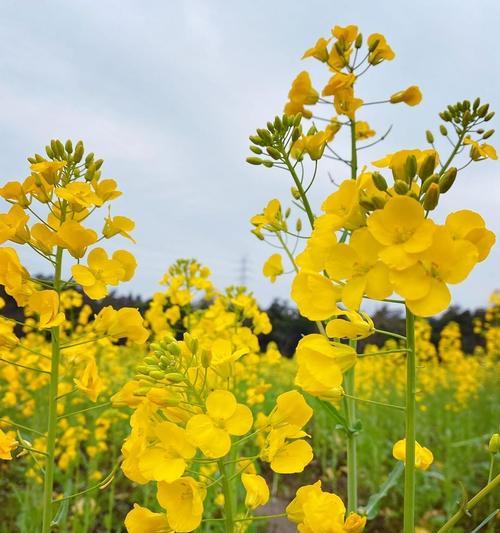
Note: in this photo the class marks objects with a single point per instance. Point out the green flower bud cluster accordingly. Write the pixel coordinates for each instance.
(464, 115)
(268, 143)
(89, 167)
(163, 363)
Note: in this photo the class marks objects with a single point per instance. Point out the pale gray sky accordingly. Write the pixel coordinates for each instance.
(167, 93)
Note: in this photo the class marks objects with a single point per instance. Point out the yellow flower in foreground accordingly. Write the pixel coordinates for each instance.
(211, 432)
(79, 196)
(142, 520)
(75, 238)
(292, 409)
(338, 82)
(320, 244)
(401, 227)
(166, 459)
(46, 305)
(423, 456)
(411, 96)
(124, 323)
(102, 271)
(183, 501)
(7, 444)
(346, 35)
(286, 451)
(470, 226)
(270, 218)
(321, 364)
(380, 49)
(363, 130)
(14, 277)
(319, 51)
(48, 170)
(89, 382)
(315, 296)
(344, 205)
(314, 510)
(273, 267)
(257, 491)
(13, 225)
(118, 225)
(354, 326)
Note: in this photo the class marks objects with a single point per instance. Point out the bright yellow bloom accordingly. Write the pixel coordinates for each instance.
(270, 218)
(102, 271)
(344, 205)
(320, 245)
(43, 238)
(118, 225)
(411, 96)
(315, 296)
(302, 93)
(354, 523)
(321, 365)
(46, 305)
(354, 326)
(357, 263)
(211, 432)
(363, 130)
(257, 491)
(166, 459)
(222, 352)
(319, 51)
(48, 170)
(313, 145)
(397, 161)
(183, 501)
(8, 338)
(424, 285)
(14, 277)
(90, 382)
(286, 451)
(75, 238)
(124, 323)
(380, 49)
(470, 226)
(346, 35)
(346, 103)
(106, 189)
(338, 82)
(142, 520)
(423, 456)
(15, 191)
(273, 267)
(401, 227)
(291, 409)
(480, 151)
(13, 225)
(79, 196)
(7, 444)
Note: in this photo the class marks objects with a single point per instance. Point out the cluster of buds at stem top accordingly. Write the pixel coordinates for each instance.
(272, 143)
(89, 167)
(463, 114)
(167, 363)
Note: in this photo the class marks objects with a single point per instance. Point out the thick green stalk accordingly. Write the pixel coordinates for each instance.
(228, 503)
(48, 485)
(411, 385)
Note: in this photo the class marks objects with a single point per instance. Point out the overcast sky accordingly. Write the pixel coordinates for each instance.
(167, 93)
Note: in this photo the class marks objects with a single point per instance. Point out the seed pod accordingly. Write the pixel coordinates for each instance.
(429, 137)
(274, 153)
(379, 181)
(401, 187)
(447, 180)
(443, 130)
(254, 160)
(488, 134)
(427, 167)
(431, 198)
(411, 166)
(428, 182)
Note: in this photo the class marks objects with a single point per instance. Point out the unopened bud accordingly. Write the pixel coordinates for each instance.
(378, 202)
(431, 198)
(268, 164)
(256, 140)
(69, 146)
(429, 136)
(447, 180)
(364, 202)
(481, 112)
(157, 374)
(489, 116)
(206, 358)
(297, 119)
(411, 166)
(295, 193)
(476, 103)
(270, 127)
(149, 360)
(254, 160)
(273, 152)
(427, 167)
(174, 348)
(494, 444)
(288, 211)
(77, 156)
(401, 187)
(443, 130)
(265, 135)
(428, 182)
(175, 377)
(358, 43)
(374, 45)
(379, 181)
(298, 225)
(488, 134)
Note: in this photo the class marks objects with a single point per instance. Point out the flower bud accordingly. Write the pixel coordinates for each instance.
(149, 360)
(298, 225)
(278, 124)
(378, 202)
(268, 164)
(141, 369)
(489, 116)
(411, 166)
(157, 374)
(427, 167)
(428, 182)
(358, 43)
(429, 136)
(295, 193)
(365, 202)
(297, 132)
(265, 136)
(49, 152)
(77, 156)
(443, 130)
(273, 152)
(287, 212)
(256, 140)
(174, 348)
(254, 160)
(374, 45)
(401, 187)
(270, 127)
(206, 358)
(379, 181)
(297, 119)
(68, 146)
(481, 112)
(175, 377)
(488, 134)
(431, 197)
(494, 444)
(447, 180)
(255, 149)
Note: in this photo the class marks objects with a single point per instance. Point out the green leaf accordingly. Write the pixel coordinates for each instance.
(372, 507)
(333, 412)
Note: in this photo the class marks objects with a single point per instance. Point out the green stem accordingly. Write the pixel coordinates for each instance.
(298, 184)
(453, 152)
(352, 463)
(228, 504)
(20, 426)
(48, 485)
(24, 366)
(373, 402)
(411, 385)
(390, 334)
(470, 504)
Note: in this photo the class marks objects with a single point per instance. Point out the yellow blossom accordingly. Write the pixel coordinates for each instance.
(118, 225)
(75, 238)
(142, 520)
(468, 225)
(363, 130)
(13, 225)
(7, 445)
(273, 267)
(90, 382)
(380, 49)
(480, 151)
(48, 170)
(46, 305)
(354, 326)
(124, 323)
(319, 51)
(315, 296)
(411, 96)
(79, 196)
(423, 456)
(257, 491)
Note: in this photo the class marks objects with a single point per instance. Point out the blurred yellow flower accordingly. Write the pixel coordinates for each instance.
(423, 456)
(273, 267)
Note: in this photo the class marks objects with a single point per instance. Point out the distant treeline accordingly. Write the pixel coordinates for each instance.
(289, 326)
